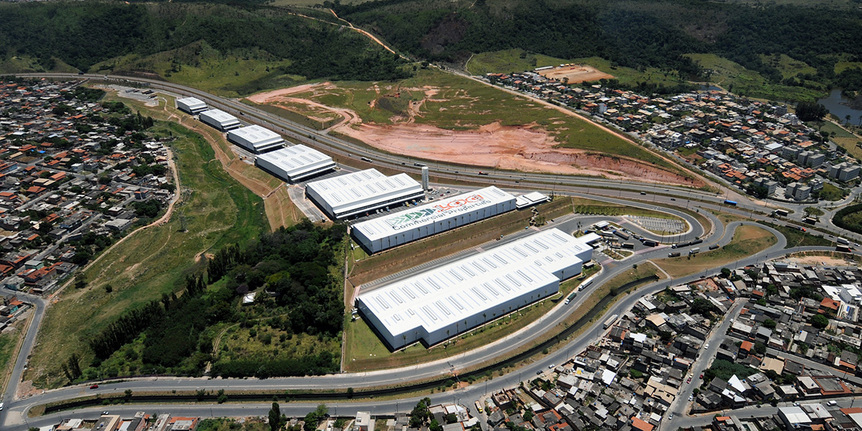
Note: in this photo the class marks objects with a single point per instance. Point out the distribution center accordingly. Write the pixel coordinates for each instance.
(295, 163)
(443, 302)
(255, 138)
(432, 218)
(362, 192)
(219, 119)
(191, 105)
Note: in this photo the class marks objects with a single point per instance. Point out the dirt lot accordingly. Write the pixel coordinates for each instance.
(575, 73)
(527, 148)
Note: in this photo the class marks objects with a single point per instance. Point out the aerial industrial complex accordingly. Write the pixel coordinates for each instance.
(255, 138)
(295, 163)
(362, 192)
(422, 221)
(219, 119)
(443, 302)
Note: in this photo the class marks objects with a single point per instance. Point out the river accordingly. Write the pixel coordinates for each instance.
(837, 106)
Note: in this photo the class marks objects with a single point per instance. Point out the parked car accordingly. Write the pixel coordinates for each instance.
(94, 386)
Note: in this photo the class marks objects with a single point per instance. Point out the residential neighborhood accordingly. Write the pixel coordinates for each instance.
(75, 176)
(758, 147)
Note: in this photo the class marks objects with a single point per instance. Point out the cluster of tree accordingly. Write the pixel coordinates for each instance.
(296, 259)
(421, 416)
(704, 308)
(724, 370)
(124, 329)
(321, 363)
(810, 111)
(131, 122)
(86, 94)
(148, 208)
(83, 34)
(88, 246)
(849, 218)
(294, 265)
(145, 169)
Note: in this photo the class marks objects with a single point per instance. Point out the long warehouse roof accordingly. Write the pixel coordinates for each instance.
(219, 116)
(440, 297)
(256, 135)
(346, 193)
(192, 102)
(429, 213)
(297, 160)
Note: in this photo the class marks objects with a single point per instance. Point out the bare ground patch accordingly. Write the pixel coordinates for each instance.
(575, 73)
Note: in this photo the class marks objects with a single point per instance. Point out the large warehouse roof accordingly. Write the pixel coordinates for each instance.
(429, 213)
(219, 118)
(440, 297)
(255, 138)
(295, 163)
(191, 105)
(354, 193)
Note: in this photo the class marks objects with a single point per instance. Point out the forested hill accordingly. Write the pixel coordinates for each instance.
(82, 34)
(637, 34)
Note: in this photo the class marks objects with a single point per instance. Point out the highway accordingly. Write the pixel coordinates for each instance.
(14, 415)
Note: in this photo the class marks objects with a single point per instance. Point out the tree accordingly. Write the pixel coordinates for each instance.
(819, 321)
(313, 418)
(276, 420)
(769, 323)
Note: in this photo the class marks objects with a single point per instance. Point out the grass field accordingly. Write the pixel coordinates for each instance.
(458, 103)
(590, 206)
(8, 340)
(747, 240)
(832, 193)
(736, 78)
(218, 211)
(508, 61)
(787, 66)
(840, 136)
(797, 238)
(229, 74)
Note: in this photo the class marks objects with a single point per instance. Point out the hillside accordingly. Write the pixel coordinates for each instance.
(638, 35)
(193, 41)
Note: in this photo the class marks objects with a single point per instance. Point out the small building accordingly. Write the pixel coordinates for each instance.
(363, 422)
(191, 105)
(219, 119)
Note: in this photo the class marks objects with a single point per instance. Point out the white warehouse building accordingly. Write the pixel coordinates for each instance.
(362, 192)
(432, 218)
(255, 138)
(294, 163)
(443, 302)
(219, 119)
(191, 105)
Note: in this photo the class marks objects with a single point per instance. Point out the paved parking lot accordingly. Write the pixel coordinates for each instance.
(659, 225)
